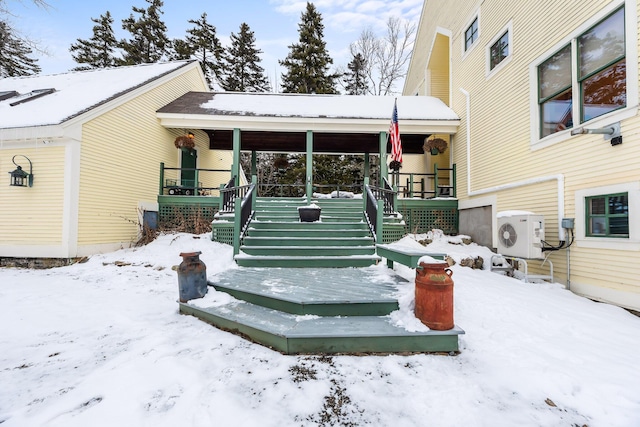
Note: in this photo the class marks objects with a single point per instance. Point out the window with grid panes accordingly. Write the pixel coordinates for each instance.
(607, 215)
(471, 34)
(600, 76)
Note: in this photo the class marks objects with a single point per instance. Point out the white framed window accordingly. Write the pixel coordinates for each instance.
(608, 216)
(499, 50)
(471, 34)
(586, 78)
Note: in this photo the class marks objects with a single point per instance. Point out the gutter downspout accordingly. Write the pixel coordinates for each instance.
(508, 186)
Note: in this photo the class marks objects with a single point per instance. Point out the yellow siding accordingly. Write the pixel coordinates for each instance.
(500, 124)
(439, 69)
(120, 162)
(33, 216)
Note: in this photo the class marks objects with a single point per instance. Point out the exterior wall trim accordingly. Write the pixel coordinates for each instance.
(630, 244)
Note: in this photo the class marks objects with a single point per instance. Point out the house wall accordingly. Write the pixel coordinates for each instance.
(120, 162)
(508, 164)
(33, 215)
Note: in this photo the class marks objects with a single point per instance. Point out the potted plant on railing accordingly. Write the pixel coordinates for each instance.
(435, 146)
(310, 213)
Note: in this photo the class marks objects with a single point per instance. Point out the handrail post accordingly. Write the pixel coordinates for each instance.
(237, 214)
(435, 180)
(453, 179)
(254, 181)
(161, 188)
(196, 179)
(221, 198)
(379, 221)
(411, 185)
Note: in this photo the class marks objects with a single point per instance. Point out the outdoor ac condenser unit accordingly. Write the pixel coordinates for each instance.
(520, 235)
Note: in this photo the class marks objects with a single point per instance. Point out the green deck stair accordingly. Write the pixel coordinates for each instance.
(277, 238)
(317, 310)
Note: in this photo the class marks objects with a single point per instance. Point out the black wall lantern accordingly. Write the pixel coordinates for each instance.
(20, 178)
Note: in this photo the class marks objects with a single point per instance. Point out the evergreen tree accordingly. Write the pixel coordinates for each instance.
(14, 54)
(308, 61)
(356, 78)
(242, 72)
(180, 50)
(97, 52)
(203, 44)
(149, 42)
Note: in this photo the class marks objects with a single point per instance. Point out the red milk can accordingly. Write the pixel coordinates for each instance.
(434, 295)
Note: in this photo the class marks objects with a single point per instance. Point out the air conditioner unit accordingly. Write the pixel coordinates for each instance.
(520, 235)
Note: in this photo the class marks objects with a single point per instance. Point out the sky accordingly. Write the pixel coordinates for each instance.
(101, 343)
(274, 22)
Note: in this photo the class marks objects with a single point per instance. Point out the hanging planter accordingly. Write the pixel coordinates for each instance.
(435, 146)
(185, 142)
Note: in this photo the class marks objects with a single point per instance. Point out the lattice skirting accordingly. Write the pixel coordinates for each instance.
(172, 216)
(222, 231)
(424, 220)
(392, 232)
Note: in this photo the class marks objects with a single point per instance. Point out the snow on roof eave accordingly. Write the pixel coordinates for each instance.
(24, 133)
(74, 108)
(301, 124)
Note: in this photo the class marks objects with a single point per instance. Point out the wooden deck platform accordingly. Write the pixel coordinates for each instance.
(322, 310)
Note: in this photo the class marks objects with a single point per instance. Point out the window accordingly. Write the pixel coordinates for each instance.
(555, 93)
(471, 34)
(499, 51)
(608, 215)
(602, 67)
(596, 86)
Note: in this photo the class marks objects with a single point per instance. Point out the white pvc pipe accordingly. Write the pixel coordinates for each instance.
(508, 186)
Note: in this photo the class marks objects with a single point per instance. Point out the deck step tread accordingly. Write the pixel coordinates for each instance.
(293, 334)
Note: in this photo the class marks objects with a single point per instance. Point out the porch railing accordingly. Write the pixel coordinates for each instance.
(428, 185)
(386, 195)
(242, 213)
(191, 181)
(379, 202)
(228, 195)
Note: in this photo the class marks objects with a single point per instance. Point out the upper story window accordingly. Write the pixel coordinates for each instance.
(499, 51)
(597, 85)
(555, 93)
(602, 67)
(607, 215)
(471, 34)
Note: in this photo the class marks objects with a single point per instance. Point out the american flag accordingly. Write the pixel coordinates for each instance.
(394, 134)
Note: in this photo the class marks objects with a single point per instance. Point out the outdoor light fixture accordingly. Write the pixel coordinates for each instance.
(609, 132)
(20, 178)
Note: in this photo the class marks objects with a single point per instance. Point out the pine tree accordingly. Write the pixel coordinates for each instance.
(308, 61)
(180, 50)
(14, 54)
(149, 42)
(203, 44)
(98, 51)
(356, 79)
(241, 69)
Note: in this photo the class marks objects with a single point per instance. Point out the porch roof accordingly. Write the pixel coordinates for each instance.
(278, 122)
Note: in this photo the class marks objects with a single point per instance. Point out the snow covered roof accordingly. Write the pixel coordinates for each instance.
(270, 111)
(73, 93)
(330, 106)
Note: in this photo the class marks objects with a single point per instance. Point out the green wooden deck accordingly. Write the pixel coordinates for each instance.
(323, 310)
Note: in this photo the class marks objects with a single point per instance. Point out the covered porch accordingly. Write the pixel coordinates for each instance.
(310, 125)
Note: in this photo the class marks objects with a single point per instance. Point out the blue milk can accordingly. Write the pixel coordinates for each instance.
(192, 276)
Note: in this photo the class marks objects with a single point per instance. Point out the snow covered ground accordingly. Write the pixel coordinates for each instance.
(102, 344)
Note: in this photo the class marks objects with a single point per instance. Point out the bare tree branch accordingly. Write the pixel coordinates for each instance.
(387, 57)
